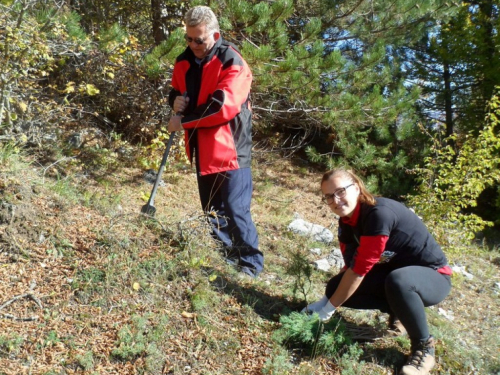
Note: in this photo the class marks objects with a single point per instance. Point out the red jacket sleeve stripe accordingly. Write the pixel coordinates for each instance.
(369, 252)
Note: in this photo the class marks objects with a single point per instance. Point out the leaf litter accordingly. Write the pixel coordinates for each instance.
(45, 242)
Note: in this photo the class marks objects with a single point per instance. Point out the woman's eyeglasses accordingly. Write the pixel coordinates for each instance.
(198, 41)
(339, 193)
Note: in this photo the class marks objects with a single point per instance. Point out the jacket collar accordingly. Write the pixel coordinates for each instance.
(212, 51)
(353, 220)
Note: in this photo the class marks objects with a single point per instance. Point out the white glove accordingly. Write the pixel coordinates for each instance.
(326, 312)
(315, 306)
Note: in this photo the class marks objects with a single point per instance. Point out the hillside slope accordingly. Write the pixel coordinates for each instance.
(90, 286)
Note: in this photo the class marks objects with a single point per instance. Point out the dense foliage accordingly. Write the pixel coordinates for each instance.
(358, 83)
(451, 182)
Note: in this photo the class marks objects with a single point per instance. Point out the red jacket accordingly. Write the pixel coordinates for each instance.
(218, 118)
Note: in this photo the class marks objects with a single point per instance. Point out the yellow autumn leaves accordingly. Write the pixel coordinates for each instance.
(83, 88)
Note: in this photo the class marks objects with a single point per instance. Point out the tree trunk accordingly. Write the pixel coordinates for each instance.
(490, 70)
(448, 103)
(448, 99)
(159, 14)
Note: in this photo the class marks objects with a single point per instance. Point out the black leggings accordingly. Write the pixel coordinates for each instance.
(404, 292)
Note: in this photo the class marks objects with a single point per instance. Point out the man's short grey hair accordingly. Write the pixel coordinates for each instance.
(202, 15)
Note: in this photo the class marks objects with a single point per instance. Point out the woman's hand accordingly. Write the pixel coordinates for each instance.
(326, 312)
(315, 306)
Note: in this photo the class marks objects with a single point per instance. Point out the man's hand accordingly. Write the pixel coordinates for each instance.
(326, 312)
(175, 124)
(180, 103)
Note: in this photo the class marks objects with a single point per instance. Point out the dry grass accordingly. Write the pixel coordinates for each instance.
(123, 294)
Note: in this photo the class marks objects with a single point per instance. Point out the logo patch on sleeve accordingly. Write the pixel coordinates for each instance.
(386, 256)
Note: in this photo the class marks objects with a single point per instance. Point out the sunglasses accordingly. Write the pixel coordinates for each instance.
(198, 41)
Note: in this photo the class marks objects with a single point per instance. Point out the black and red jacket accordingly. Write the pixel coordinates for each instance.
(218, 120)
(388, 233)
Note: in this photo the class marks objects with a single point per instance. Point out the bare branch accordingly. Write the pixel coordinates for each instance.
(16, 298)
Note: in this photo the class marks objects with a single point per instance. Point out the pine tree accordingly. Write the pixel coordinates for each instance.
(456, 64)
(329, 75)
(329, 72)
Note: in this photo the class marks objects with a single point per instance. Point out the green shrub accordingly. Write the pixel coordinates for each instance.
(278, 364)
(450, 183)
(301, 269)
(132, 340)
(86, 361)
(313, 336)
(140, 338)
(10, 345)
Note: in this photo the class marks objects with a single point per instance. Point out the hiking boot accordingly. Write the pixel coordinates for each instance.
(395, 327)
(248, 273)
(421, 359)
(232, 261)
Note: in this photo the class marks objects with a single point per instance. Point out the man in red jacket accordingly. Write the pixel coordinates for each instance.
(218, 131)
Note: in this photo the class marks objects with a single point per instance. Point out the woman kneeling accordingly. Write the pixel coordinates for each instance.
(392, 263)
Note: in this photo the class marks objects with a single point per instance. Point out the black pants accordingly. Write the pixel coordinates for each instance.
(404, 292)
